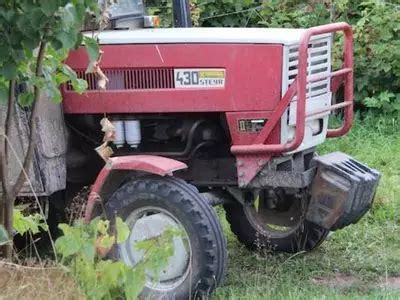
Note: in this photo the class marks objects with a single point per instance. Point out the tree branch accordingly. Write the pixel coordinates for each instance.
(32, 125)
(10, 112)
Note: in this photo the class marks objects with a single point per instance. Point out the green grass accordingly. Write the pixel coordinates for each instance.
(368, 251)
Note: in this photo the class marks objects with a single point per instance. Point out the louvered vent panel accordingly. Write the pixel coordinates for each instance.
(319, 62)
(131, 79)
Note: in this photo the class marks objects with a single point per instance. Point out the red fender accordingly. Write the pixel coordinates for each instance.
(158, 165)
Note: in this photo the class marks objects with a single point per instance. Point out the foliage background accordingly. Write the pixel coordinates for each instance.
(376, 26)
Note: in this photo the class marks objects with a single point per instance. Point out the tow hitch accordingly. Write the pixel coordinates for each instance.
(342, 191)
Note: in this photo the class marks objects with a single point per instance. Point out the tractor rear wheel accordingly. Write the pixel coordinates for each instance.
(274, 222)
(150, 205)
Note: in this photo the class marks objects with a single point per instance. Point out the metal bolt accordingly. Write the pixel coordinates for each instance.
(239, 163)
(241, 174)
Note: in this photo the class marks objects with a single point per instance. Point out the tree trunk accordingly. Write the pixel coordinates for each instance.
(10, 194)
(7, 249)
(2, 196)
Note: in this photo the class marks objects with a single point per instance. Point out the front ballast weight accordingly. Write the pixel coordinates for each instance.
(342, 191)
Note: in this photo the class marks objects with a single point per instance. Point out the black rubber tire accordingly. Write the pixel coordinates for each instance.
(198, 218)
(307, 237)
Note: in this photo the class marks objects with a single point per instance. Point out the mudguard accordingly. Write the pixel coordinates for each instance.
(342, 191)
(108, 179)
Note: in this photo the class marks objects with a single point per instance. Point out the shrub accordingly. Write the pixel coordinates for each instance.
(84, 248)
(376, 26)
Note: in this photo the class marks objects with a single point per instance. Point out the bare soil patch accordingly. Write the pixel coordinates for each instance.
(345, 282)
(392, 283)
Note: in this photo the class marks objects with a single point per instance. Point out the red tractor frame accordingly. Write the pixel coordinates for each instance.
(205, 117)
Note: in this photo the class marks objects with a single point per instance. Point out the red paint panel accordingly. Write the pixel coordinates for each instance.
(253, 79)
(247, 138)
(147, 163)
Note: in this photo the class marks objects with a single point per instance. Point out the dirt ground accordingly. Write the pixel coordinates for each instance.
(18, 282)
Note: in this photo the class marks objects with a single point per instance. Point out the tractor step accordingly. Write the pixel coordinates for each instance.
(342, 191)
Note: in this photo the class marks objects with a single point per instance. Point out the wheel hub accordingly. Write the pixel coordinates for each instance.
(273, 222)
(148, 224)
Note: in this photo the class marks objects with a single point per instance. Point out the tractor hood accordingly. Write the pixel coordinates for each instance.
(202, 36)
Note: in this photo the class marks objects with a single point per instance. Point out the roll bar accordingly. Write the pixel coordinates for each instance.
(299, 86)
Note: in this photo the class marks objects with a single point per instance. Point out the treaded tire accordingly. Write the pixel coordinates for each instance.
(199, 219)
(307, 237)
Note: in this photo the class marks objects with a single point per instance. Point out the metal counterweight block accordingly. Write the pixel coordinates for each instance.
(342, 191)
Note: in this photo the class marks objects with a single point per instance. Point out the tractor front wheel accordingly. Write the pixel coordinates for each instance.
(151, 205)
(274, 221)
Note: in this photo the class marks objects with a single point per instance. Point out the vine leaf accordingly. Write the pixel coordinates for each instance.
(30, 223)
(3, 236)
(25, 99)
(49, 7)
(3, 91)
(8, 70)
(70, 243)
(92, 49)
(123, 230)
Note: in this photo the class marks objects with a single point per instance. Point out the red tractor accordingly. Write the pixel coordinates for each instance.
(206, 117)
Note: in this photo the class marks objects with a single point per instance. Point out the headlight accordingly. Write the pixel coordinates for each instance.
(316, 126)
